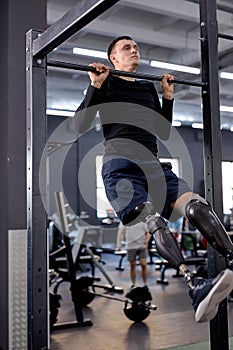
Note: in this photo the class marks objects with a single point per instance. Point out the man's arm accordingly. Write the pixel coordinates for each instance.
(120, 235)
(147, 238)
(164, 123)
(167, 99)
(86, 112)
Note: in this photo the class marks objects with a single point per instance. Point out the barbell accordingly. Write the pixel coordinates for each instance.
(136, 306)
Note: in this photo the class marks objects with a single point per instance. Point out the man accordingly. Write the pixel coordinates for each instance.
(132, 120)
(136, 239)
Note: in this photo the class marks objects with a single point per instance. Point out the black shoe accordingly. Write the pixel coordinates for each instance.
(139, 294)
(208, 293)
(129, 293)
(146, 293)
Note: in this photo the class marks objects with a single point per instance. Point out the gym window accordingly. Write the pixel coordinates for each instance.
(227, 187)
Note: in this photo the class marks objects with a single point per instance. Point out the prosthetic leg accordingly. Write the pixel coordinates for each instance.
(201, 215)
(167, 246)
(206, 294)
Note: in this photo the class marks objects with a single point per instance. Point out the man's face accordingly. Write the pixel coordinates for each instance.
(125, 55)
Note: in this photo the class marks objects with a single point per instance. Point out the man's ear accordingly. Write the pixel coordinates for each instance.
(113, 58)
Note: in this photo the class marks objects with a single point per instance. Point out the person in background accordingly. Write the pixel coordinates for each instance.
(136, 243)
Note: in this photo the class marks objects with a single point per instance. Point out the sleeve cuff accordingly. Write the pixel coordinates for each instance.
(167, 102)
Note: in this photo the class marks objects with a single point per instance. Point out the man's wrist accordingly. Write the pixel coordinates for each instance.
(168, 96)
(96, 85)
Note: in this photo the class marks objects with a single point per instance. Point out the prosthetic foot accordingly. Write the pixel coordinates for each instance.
(201, 215)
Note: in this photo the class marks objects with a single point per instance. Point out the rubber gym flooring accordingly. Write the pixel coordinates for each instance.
(171, 326)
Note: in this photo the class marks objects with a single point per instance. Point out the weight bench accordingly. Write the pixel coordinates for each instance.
(163, 265)
(152, 252)
(122, 254)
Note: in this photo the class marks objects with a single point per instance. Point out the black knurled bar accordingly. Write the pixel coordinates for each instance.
(146, 76)
(225, 36)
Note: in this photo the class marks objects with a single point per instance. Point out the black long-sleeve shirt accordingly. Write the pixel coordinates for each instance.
(129, 110)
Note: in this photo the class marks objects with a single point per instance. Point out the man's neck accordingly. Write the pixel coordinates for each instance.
(127, 78)
(130, 70)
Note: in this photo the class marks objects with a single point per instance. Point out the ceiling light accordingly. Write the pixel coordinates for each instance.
(60, 112)
(197, 125)
(226, 109)
(175, 67)
(92, 53)
(176, 123)
(144, 61)
(226, 75)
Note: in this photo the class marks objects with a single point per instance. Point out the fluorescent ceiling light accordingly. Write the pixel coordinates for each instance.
(144, 61)
(175, 67)
(176, 123)
(226, 75)
(92, 53)
(226, 109)
(197, 125)
(60, 112)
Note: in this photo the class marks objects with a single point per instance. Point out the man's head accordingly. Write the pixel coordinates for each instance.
(123, 53)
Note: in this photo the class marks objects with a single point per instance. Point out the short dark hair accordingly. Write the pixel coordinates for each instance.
(113, 43)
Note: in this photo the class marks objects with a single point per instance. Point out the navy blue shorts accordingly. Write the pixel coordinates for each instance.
(129, 184)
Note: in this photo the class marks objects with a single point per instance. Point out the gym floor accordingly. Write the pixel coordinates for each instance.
(171, 326)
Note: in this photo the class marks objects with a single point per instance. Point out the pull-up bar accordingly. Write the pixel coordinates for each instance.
(146, 76)
(225, 36)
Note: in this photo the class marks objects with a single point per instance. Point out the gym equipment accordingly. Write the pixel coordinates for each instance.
(137, 306)
(80, 321)
(146, 76)
(54, 305)
(79, 298)
(122, 254)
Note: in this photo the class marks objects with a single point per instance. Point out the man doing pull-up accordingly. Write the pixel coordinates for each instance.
(135, 180)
